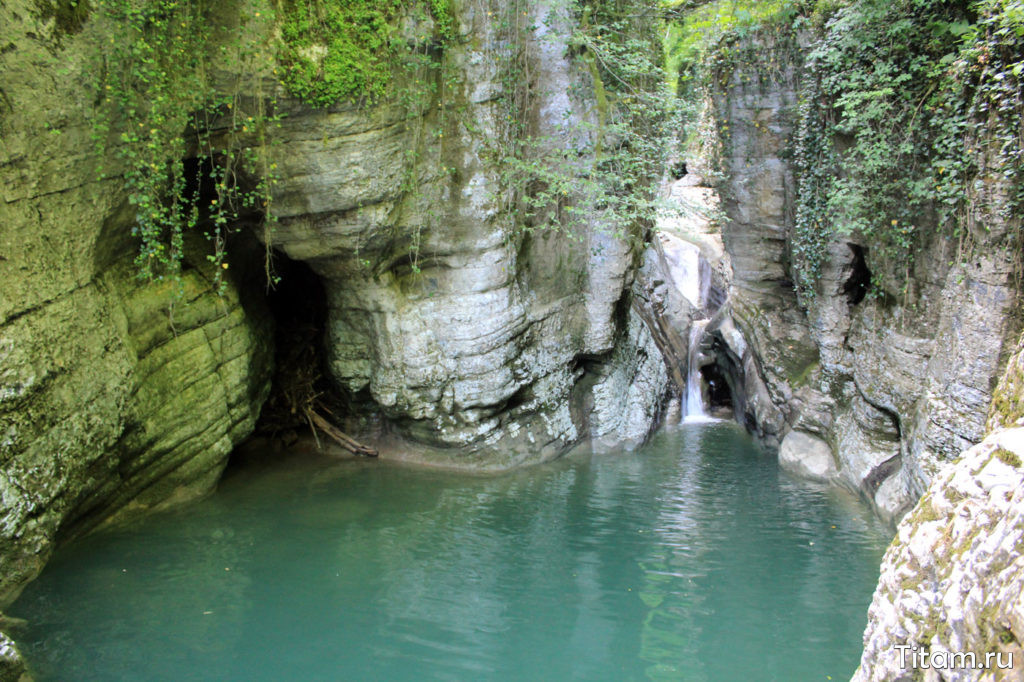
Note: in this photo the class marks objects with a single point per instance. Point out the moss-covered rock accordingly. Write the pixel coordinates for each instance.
(953, 579)
(114, 392)
(466, 330)
(12, 666)
(1008, 399)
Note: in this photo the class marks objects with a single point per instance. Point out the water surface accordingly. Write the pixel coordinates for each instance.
(691, 559)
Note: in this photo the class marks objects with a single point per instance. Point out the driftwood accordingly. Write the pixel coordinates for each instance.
(295, 398)
(336, 434)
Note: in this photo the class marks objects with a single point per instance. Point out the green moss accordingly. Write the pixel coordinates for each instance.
(980, 467)
(801, 378)
(1008, 398)
(924, 512)
(1007, 457)
(347, 49)
(953, 496)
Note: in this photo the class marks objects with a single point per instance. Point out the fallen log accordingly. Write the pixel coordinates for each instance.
(338, 436)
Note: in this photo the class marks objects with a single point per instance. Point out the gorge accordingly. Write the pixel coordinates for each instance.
(477, 235)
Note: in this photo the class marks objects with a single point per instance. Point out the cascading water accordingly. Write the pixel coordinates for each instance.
(690, 272)
(694, 398)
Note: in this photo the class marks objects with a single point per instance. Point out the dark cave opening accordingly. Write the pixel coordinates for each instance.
(679, 170)
(298, 305)
(719, 393)
(199, 179)
(858, 283)
(723, 378)
(303, 399)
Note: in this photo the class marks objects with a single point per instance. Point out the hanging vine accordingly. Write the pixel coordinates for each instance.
(599, 169)
(913, 92)
(158, 107)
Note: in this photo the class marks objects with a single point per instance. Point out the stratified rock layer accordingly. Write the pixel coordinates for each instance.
(115, 394)
(469, 334)
(894, 383)
(953, 579)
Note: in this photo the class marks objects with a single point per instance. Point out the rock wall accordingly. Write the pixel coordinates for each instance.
(755, 114)
(953, 579)
(115, 394)
(474, 343)
(468, 335)
(889, 384)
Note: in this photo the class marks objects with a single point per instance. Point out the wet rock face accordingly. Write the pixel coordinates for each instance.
(467, 334)
(115, 395)
(895, 383)
(113, 404)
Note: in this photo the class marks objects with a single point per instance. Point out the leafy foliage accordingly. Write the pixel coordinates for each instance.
(902, 98)
(696, 33)
(158, 106)
(347, 49)
(910, 115)
(599, 168)
(703, 47)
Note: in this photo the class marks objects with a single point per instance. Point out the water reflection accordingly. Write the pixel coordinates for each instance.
(690, 559)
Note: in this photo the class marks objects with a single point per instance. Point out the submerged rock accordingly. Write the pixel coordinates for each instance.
(12, 665)
(807, 456)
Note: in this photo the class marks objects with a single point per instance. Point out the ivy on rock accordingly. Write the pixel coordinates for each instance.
(159, 107)
(195, 151)
(333, 50)
(904, 102)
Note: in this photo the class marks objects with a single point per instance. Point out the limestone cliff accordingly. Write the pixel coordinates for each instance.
(869, 391)
(115, 394)
(469, 334)
(953, 579)
(882, 377)
(465, 339)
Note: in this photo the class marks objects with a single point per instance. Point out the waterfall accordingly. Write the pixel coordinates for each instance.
(694, 398)
(690, 272)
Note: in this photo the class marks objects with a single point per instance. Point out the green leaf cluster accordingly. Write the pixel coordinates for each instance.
(904, 102)
(333, 50)
(599, 169)
(694, 33)
(158, 106)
